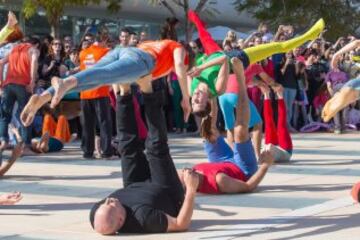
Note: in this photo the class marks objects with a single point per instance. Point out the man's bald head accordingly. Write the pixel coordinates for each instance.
(109, 217)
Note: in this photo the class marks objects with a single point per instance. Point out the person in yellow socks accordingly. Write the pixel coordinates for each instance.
(55, 134)
(9, 27)
(206, 82)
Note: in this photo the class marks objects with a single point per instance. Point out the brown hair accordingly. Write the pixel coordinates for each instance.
(16, 35)
(206, 119)
(62, 51)
(168, 30)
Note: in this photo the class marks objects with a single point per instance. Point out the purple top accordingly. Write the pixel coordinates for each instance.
(336, 77)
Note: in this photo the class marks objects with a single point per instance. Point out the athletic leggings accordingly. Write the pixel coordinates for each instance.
(259, 52)
(279, 136)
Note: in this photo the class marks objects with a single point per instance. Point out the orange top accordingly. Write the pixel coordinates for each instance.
(19, 66)
(163, 53)
(88, 58)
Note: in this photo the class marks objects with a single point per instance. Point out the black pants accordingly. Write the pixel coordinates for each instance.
(13, 93)
(96, 111)
(157, 166)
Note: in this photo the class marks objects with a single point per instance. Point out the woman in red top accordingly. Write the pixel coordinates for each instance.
(232, 170)
(150, 60)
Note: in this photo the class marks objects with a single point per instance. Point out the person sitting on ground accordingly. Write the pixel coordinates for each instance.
(231, 171)
(54, 135)
(152, 200)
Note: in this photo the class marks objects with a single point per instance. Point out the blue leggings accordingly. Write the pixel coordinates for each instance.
(121, 65)
(242, 156)
(228, 103)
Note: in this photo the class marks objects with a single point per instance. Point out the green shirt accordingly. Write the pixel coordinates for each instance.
(209, 75)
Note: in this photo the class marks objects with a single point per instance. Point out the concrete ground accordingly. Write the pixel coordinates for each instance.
(305, 199)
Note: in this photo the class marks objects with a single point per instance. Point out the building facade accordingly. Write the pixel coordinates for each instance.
(137, 14)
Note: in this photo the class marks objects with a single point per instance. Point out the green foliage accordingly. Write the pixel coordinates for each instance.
(342, 17)
(54, 9)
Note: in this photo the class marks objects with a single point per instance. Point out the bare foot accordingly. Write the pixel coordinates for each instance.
(61, 88)
(316, 29)
(339, 101)
(44, 143)
(12, 21)
(265, 90)
(267, 157)
(33, 105)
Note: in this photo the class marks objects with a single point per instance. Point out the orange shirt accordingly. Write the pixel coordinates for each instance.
(19, 66)
(88, 58)
(163, 53)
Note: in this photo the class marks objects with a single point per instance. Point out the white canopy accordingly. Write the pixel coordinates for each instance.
(219, 33)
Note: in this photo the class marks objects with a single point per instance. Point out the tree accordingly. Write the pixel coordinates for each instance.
(342, 17)
(54, 9)
(205, 6)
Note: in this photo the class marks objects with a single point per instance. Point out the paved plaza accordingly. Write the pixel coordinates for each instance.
(305, 199)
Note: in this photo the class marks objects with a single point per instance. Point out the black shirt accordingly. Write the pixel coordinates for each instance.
(146, 204)
(289, 77)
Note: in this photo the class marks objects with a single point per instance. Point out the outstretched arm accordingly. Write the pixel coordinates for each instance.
(195, 71)
(353, 45)
(180, 70)
(228, 184)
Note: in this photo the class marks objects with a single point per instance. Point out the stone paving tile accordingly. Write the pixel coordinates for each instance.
(60, 188)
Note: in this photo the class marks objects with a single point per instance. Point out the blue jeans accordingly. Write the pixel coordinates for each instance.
(228, 103)
(121, 65)
(289, 98)
(13, 93)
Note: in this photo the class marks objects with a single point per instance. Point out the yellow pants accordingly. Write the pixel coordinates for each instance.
(264, 51)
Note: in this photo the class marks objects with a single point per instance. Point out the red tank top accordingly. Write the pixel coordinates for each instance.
(19, 65)
(210, 170)
(163, 53)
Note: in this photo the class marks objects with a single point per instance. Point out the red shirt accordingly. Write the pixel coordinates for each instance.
(88, 57)
(19, 66)
(251, 71)
(210, 170)
(163, 53)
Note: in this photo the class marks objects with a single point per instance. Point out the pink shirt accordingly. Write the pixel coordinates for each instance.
(250, 72)
(232, 85)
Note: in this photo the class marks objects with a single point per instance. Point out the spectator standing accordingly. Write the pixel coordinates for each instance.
(95, 102)
(18, 86)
